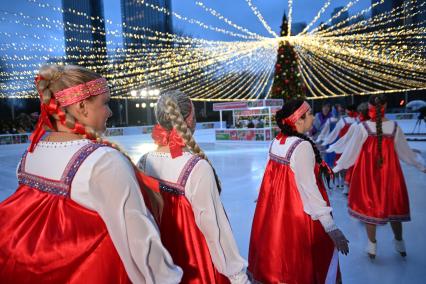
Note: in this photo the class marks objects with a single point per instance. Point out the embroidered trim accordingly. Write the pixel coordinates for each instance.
(81, 92)
(171, 188)
(76, 161)
(43, 184)
(187, 169)
(279, 159)
(378, 221)
(22, 163)
(58, 187)
(285, 160)
(178, 188)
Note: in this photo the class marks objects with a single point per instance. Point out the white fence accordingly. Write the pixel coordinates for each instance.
(115, 131)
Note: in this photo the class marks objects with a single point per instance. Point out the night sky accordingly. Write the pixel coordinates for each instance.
(236, 10)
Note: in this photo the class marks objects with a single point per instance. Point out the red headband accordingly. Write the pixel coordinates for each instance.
(65, 98)
(81, 92)
(291, 120)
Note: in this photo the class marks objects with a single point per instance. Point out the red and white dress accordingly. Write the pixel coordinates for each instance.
(78, 217)
(289, 241)
(325, 130)
(378, 195)
(193, 223)
(339, 131)
(339, 147)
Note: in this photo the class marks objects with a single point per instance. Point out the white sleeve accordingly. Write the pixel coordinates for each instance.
(325, 130)
(334, 134)
(405, 153)
(302, 162)
(116, 197)
(211, 219)
(352, 149)
(340, 144)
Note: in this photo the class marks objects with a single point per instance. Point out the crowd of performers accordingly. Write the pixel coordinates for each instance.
(84, 213)
(368, 148)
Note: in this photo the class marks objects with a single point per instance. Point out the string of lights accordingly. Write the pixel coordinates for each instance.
(353, 56)
(315, 19)
(261, 19)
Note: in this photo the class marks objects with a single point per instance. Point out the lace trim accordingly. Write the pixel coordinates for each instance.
(165, 155)
(50, 144)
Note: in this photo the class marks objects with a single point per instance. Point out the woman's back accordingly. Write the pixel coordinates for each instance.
(48, 242)
(79, 206)
(192, 212)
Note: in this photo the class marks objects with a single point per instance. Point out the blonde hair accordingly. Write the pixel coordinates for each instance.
(172, 110)
(55, 78)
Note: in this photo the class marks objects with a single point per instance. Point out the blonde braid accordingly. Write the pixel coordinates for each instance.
(54, 74)
(178, 122)
(56, 78)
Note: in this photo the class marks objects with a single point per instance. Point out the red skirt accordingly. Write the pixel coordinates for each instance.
(286, 245)
(378, 195)
(185, 242)
(46, 238)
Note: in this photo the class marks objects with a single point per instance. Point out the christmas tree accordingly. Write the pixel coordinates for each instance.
(287, 81)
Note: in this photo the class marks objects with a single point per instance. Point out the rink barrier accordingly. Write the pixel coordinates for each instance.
(7, 139)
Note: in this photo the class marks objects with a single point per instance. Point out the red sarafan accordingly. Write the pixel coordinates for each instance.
(378, 194)
(286, 245)
(49, 238)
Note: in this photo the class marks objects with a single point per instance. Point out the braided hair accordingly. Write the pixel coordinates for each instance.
(55, 78)
(363, 110)
(173, 109)
(288, 109)
(378, 101)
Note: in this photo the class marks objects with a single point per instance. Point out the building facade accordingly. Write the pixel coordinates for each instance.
(84, 31)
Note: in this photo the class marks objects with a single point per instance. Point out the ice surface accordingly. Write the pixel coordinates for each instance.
(240, 167)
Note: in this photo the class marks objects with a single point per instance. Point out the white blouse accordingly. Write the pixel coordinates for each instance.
(360, 135)
(332, 136)
(341, 144)
(302, 163)
(106, 183)
(324, 131)
(201, 192)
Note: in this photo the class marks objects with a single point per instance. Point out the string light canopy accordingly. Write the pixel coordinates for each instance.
(358, 55)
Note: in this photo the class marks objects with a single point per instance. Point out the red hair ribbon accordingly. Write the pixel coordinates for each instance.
(43, 119)
(281, 137)
(352, 114)
(372, 113)
(163, 137)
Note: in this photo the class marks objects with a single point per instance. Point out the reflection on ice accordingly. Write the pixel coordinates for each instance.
(240, 167)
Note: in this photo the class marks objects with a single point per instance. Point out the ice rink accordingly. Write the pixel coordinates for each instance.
(240, 166)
